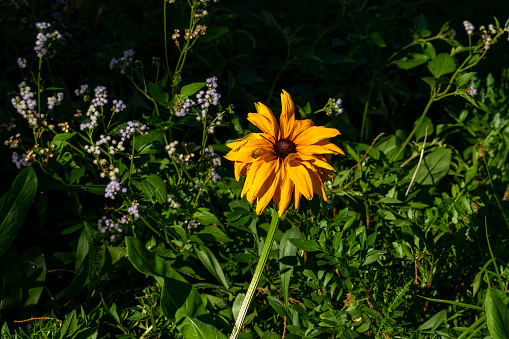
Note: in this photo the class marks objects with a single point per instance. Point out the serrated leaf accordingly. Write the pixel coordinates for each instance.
(158, 93)
(213, 233)
(203, 216)
(191, 89)
(433, 167)
(442, 64)
(413, 60)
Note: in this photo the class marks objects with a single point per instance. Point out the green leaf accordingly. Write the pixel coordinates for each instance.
(213, 233)
(287, 252)
(158, 93)
(191, 89)
(278, 306)
(69, 326)
(63, 136)
(414, 60)
(177, 292)
(194, 328)
(14, 206)
(152, 186)
(203, 216)
(420, 132)
(433, 167)
(210, 262)
(465, 78)
(306, 245)
(237, 303)
(442, 64)
(33, 266)
(497, 315)
(435, 321)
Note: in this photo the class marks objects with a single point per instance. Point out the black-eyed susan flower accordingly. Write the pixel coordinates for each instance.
(290, 158)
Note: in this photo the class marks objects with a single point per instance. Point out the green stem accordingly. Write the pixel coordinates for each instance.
(402, 147)
(257, 275)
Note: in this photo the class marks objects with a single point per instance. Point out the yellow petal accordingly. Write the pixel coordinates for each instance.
(267, 192)
(297, 200)
(285, 195)
(300, 177)
(316, 162)
(314, 134)
(287, 117)
(241, 142)
(250, 177)
(320, 147)
(318, 188)
(264, 175)
(270, 123)
(300, 126)
(263, 123)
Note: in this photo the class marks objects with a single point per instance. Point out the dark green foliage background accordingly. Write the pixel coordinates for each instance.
(361, 265)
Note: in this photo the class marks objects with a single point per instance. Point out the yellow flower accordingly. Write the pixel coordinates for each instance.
(283, 159)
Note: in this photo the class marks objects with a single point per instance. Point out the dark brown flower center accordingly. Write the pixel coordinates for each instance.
(284, 147)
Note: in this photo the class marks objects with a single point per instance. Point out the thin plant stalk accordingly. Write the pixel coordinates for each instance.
(257, 275)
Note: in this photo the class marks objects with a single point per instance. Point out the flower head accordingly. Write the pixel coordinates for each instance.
(286, 158)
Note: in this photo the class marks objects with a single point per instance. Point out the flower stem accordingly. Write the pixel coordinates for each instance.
(257, 275)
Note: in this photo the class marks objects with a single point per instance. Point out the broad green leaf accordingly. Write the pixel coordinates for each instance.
(306, 245)
(414, 60)
(158, 93)
(278, 306)
(14, 206)
(210, 262)
(237, 304)
(196, 329)
(69, 326)
(435, 321)
(271, 335)
(420, 132)
(386, 144)
(176, 291)
(33, 267)
(63, 136)
(497, 315)
(213, 233)
(203, 216)
(153, 186)
(191, 89)
(465, 78)
(433, 167)
(287, 252)
(442, 64)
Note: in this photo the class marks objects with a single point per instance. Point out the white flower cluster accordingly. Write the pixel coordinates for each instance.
(44, 39)
(20, 161)
(124, 61)
(207, 98)
(468, 27)
(99, 100)
(108, 226)
(55, 100)
(25, 105)
(173, 203)
(171, 148)
(210, 154)
(190, 224)
(13, 141)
